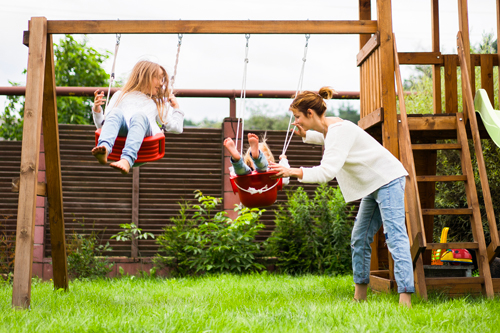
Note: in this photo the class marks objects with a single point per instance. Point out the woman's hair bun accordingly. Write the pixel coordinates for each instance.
(326, 92)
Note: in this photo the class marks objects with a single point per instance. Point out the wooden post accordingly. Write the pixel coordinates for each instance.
(53, 172)
(135, 208)
(498, 53)
(436, 69)
(229, 127)
(21, 295)
(463, 23)
(365, 13)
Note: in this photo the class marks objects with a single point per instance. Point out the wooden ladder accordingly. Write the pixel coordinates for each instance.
(415, 211)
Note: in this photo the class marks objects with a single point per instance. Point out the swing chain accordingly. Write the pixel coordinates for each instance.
(118, 37)
(179, 36)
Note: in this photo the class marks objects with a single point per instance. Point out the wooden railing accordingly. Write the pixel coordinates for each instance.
(370, 81)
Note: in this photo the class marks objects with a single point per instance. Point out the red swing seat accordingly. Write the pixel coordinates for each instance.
(256, 189)
(152, 148)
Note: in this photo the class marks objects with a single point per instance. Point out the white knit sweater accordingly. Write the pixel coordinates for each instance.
(134, 101)
(360, 164)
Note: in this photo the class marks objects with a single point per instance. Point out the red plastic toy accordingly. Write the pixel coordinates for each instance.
(152, 148)
(256, 189)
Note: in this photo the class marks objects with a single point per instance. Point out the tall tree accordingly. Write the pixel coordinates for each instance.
(76, 64)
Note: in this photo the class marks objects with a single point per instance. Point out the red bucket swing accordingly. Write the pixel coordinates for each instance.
(153, 147)
(258, 189)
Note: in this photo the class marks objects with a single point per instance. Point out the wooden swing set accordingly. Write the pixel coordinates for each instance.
(378, 61)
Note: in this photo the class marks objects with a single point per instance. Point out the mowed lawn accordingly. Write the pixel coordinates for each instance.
(229, 303)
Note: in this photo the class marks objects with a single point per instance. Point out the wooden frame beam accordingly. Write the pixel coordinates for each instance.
(211, 27)
(365, 13)
(25, 232)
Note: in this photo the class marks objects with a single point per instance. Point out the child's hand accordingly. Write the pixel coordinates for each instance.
(299, 131)
(283, 157)
(98, 101)
(173, 101)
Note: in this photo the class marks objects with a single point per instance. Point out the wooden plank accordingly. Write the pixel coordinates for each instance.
(135, 208)
(471, 193)
(380, 284)
(390, 125)
(365, 14)
(368, 49)
(432, 123)
(417, 248)
(372, 119)
(378, 78)
(25, 232)
(487, 76)
(445, 178)
(457, 245)
(463, 26)
(53, 173)
(436, 146)
(450, 84)
(436, 69)
(447, 281)
(211, 27)
(447, 211)
(41, 188)
(420, 58)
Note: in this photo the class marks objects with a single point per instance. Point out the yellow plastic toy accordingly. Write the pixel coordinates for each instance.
(436, 254)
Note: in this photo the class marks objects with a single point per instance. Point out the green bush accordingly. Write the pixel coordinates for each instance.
(85, 253)
(313, 235)
(202, 242)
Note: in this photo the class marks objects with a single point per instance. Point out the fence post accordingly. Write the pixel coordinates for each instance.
(229, 127)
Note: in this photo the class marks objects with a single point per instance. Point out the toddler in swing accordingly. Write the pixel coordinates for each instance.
(256, 157)
(134, 112)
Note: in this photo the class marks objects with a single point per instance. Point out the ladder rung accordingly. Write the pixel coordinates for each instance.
(446, 246)
(436, 146)
(446, 211)
(449, 281)
(447, 178)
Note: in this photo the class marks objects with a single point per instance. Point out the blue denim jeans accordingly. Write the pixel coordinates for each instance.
(115, 125)
(240, 167)
(386, 207)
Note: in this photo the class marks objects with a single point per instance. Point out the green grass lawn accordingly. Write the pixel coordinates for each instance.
(228, 303)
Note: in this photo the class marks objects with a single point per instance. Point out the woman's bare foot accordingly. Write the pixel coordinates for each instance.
(253, 140)
(405, 299)
(101, 154)
(231, 148)
(121, 165)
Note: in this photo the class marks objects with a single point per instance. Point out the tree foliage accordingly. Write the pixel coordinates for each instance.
(76, 64)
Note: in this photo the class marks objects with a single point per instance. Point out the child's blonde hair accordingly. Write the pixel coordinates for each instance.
(264, 148)
(140, 80)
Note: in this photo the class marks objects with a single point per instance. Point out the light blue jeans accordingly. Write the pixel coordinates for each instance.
(240, 167)
(386, 207)
(115, 125)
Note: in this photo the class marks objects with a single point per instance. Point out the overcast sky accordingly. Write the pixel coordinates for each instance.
(216, 61)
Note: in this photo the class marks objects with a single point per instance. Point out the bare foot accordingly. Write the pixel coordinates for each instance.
(360, 291)
(121, 165)
(101, 154)
(253, 140)
(231, 148)
(405, 299)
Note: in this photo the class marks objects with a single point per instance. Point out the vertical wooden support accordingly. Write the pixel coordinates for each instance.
(463, 24)
(450, 84)
(135, 208)
(21, 295)
(365, 13)
(232, 107)
(53, 172)
(389, 128)
(487, 76)
(498, 54)
(436, 69)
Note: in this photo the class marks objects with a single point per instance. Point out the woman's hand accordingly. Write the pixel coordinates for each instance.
(284, 172)
(98, 101)
(173, 101)
(299, 131)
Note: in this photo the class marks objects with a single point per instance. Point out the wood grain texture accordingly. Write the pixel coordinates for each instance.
(365, 14)
(370, 46)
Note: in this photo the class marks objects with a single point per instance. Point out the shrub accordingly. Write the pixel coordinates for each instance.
(204, 243)
(313, 235)
(85, 253)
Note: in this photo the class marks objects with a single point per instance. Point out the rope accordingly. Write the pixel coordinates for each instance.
(112, 76)
(299, 88)
(253, 191)
(243, 99)
(172, 79)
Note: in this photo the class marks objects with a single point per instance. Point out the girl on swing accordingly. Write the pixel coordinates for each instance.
(134, 112)
(364, 170)
(256, 157)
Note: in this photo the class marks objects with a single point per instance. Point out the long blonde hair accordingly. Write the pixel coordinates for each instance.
(264, 148)
(310, 100)
(140, 80)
